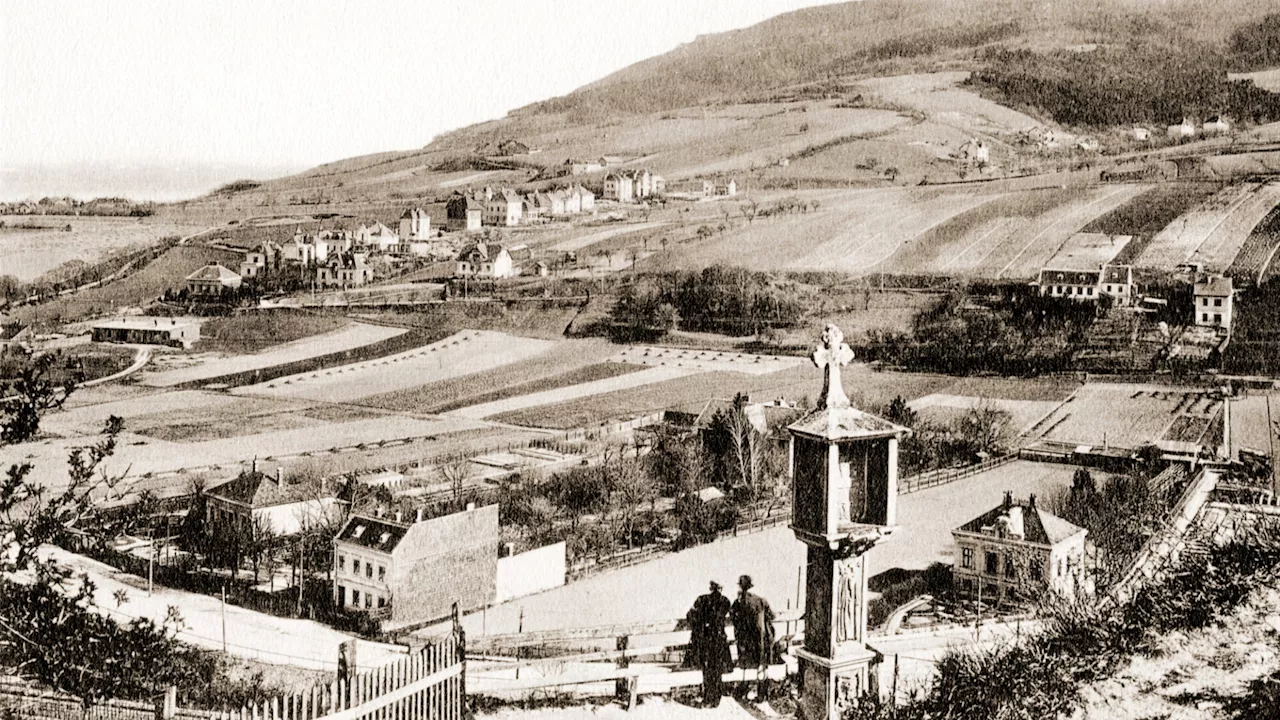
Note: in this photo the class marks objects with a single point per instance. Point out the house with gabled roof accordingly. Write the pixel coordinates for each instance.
(619, 187)
(233, 508)
(486, 260)
(1117, 283)
(211, 280)
(1214, 298)
(1079, 285)
(464, 212)
(1018, 551)
(413, 570)
(504, 208)
(344, 270)
(376, 236)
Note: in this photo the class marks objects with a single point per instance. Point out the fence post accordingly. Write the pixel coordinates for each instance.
(166, 703)
(620, 686)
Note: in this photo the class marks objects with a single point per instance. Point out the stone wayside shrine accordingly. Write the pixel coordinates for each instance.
(844, 470)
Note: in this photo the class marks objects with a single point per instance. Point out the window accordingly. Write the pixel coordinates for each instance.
(355, 598)
(1010, 570)
(1217, 318)
(1089, 291)
(1217, 302)
(368, 570)
(382, 574)
(342, 562)
(1069, 289)
(382, 602)
(1108, 288)
(355, 566)
(993, 563)
(368, 601)
(1037, 569)
(966, 558)
(1204, 317)
(342, 595)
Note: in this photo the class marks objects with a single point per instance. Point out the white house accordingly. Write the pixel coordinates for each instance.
(1117, 283)
(298, 251)
(260, 259)
(464, 212)
(254, 498)
(212, 280)
(1141, 134)
(504, 208)
(976, 151)
(415, 224)
(1213, 298)
(1018, 551)
(728, 189)
(486, 260)
(619, 187)
(344, 270)
(1079, 285)
(376, 236)
(1183, 131)
(1215, 126)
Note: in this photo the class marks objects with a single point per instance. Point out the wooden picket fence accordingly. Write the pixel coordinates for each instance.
(427, 685)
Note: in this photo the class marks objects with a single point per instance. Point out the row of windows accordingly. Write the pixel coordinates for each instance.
(1071, 290)
(355, 568)
(1217, 317)
(1217, 302)
(370, 599)
(992, 564)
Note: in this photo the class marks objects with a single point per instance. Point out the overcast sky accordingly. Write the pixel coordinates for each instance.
(302, 82)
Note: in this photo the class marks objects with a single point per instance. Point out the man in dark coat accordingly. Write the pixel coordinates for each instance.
(753, 630)
(708, 644)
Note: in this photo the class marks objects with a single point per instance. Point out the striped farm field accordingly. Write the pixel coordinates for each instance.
(960, 244)
(1148, 213)
(1218, 252)
(1177, 242)
(1024, 253)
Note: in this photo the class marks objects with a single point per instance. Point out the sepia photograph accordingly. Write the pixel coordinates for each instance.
(595, 360)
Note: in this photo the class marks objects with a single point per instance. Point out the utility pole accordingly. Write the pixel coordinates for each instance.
(151, 561)
(224, 618)
(1271, 442)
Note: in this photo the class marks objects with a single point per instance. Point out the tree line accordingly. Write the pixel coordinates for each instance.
(716, 299)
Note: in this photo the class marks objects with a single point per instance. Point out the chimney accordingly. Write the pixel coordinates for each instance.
(419, 514)
(255, 464)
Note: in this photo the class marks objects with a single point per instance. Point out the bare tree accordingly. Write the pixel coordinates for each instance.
(455, 471)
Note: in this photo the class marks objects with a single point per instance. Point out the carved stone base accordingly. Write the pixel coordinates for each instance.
(829, 685)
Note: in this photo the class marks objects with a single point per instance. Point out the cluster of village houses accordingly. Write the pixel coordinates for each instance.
(1213, 294)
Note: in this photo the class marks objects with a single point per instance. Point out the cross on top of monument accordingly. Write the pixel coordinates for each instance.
(830, 355)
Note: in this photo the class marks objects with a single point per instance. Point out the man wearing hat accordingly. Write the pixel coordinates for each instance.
(753, 631)
(708, 644)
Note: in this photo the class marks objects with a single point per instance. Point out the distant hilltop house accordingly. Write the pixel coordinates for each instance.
(393, 569)
(1213, 301)
(172, 332)
(254, 502)
(727, 189)
(1018, 551)
(631, 185)
(212, 280)
(344, 270)
(692, 188)
(464, 212)
(486, 260)
(1140, 134)
(415, 224)
(976, 152)
(1215, 126)
(1182, 131)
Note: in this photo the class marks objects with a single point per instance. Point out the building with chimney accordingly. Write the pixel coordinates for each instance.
(1018, 551)
(1214, 297)
(233, 508)
(414, 569)
(415, 224)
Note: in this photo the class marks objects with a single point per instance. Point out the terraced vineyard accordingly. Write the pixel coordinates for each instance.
(1218, 252)
(1255, 261)
(1147, 214)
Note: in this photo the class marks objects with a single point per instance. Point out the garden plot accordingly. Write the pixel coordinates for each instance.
(465, 352)
(208, 366)
(1122, 415)
(707, 360)
(1219, 250)
(1176, 243)
(573, 392)
(941, 406)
